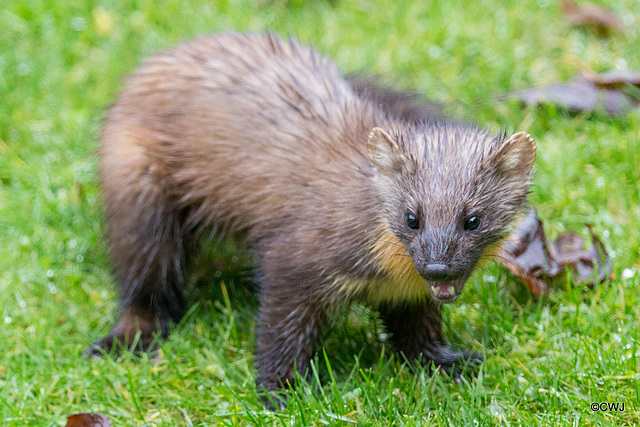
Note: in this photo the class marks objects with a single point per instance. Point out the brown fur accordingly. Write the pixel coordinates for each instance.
(263, 139)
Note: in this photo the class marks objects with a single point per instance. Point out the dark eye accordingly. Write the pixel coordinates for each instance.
(472, 223)
(412, 221)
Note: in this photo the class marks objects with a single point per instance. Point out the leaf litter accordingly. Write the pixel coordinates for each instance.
(592, 16)
(87, 419)
(613, 93)
(530, 256)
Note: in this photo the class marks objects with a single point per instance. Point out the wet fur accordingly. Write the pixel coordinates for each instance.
(264, 139)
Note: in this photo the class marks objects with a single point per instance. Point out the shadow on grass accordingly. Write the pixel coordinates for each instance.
(222, 279)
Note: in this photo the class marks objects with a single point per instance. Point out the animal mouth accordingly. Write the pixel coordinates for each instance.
(444, 291)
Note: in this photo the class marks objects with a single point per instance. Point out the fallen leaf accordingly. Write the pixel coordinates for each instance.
(86, 419)
(614, 79)
(529, 255)
(526, 253)
(591, 15)
(594, 92)
(570, 253)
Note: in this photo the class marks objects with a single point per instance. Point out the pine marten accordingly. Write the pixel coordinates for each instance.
(344, 192)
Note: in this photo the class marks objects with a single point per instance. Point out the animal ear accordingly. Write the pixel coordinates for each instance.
(384, 152)
(516, 156)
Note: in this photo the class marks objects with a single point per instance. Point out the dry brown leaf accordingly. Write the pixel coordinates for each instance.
(614, 79)
(526, 253)
(87, 419)
(591, 15)
(594, 92)
(529, 255)
(570, 253)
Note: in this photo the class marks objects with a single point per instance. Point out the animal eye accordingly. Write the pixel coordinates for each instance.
(472, 223)
(412, 221)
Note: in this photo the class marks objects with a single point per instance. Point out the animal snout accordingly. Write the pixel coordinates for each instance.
(437, 272)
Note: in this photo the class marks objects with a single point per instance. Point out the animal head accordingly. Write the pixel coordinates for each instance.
(448, 192)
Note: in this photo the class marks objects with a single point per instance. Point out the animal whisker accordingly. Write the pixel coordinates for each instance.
(407, 255)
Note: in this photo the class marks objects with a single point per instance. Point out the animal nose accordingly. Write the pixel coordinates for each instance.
(436, 272)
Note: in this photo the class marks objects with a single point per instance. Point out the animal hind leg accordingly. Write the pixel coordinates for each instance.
(147, 244)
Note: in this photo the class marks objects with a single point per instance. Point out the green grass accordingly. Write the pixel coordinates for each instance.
(61, 64)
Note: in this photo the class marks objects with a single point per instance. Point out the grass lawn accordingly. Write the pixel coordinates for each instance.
(62, 63)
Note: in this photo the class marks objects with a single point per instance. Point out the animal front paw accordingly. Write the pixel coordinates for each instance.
(454, 364)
